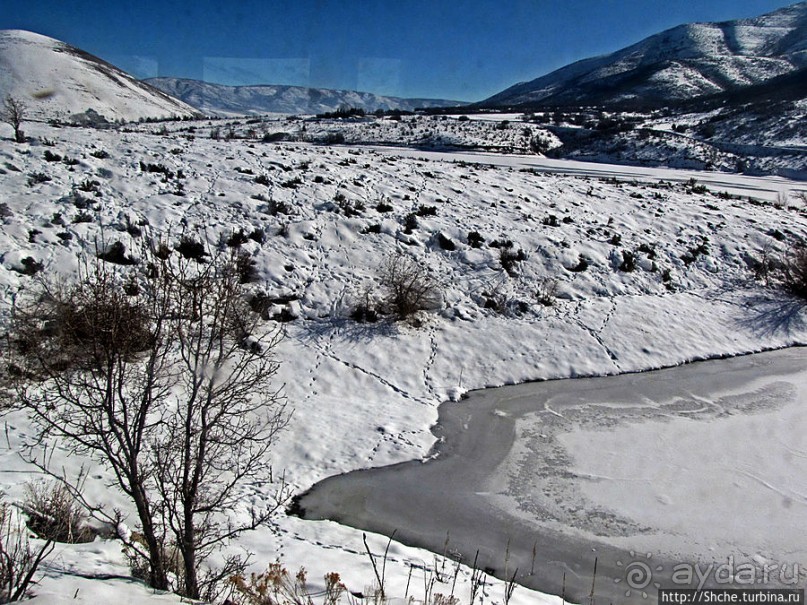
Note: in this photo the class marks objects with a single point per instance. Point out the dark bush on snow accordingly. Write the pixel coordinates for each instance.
(190, 248)
(116, 253)
(794, 272)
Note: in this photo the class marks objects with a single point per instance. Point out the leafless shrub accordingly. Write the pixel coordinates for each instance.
(781, 200)
(408, 286)
(546, 291)
(365, 308)
(276, 586)
(794, 271)
(54, 514)
(509, 259)
(19, 559)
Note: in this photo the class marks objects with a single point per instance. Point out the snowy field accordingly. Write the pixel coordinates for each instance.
(641, 274)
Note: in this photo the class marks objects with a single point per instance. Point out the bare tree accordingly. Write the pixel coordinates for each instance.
(13, 113)
(170, 388)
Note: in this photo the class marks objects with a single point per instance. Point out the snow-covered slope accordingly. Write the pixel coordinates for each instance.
(57, 81)
(639, 274)
(216, 99)
(680, 63)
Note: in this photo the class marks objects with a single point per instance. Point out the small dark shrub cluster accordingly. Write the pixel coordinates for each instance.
(374, 228)
(158, 169)
(116, 254)
(273, 137)
(237, 239)
(365, 310)
(628, 264)
(30, 266)
(446, 243)
(191, 248)
(475, 239)
(246, 268)
(582, 265)
(427, 210)
(89, 186)
(551, 221)
(275, 207)
(99, 154)
(81, 202)
(351, 209)
(694, 187)
(334, 138)
(501, 244)
(258, 235)
(292, 183)
(509, 259)
(35, 178)
(51, 157)
(410, 223)
(134, 229)
(384, 207)
(649, 250)
(691, 255)
(83, 217)
(794, 272)
(546, 291)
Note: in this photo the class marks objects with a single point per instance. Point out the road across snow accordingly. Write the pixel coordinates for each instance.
(761, 187)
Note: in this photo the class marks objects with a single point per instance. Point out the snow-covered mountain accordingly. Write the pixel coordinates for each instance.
(681, 63)
(56, 81)
(217, 99)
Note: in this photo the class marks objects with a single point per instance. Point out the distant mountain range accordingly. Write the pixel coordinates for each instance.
(742, 61)
(56, 81)
(681, 63)
(217, 99)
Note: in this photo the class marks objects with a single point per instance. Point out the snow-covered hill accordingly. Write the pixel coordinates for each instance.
(56, 81)
(680, 63)
(542, 276)
(216, 99)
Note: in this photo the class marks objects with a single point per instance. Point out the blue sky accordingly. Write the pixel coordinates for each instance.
(453, 49)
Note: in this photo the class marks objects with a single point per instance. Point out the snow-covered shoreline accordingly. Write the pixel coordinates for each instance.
(647, 275)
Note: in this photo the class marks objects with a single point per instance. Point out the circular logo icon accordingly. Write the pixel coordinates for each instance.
(638, 575)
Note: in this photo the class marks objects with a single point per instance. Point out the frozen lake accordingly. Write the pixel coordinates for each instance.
(691, 473)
